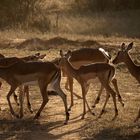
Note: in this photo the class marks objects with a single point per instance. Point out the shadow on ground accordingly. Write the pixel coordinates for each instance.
(133, 133)
(29, 129)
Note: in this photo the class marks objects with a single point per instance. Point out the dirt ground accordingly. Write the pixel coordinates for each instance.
(50, 124)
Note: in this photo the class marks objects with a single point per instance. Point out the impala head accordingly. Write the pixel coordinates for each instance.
(64, 58)
(123, 53)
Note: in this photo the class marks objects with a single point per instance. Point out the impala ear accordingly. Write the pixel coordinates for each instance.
(123, 47)
(69, 53)
(61, 53)
(129, 46)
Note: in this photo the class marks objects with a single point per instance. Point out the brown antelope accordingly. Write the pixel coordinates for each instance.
(22, 73)
(123, 56)
(86, 73)
(6, 61)
(25, 89)
(86, 56)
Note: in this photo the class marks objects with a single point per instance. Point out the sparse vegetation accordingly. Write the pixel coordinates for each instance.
(73, 17)
(46, 26)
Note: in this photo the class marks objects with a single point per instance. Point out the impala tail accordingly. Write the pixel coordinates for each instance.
(105, 53)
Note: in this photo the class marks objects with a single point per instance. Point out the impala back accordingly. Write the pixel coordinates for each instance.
(86, 56)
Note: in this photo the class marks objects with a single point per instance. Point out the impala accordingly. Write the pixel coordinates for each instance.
(25, 89)
(86, 73)
(86, 56)
(23, 73)
(123, 56)
(6, 61)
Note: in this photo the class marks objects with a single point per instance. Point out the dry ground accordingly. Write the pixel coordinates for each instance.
(50, 124)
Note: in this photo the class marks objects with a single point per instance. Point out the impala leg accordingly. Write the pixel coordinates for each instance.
(106, 85)
(103, 109)
(67, 84)
(70, 83)
(67, 81)
(57, 88)
(26, 90)
(89, 107)
(12, 89)
(84, 100)
(86, 91)
(21, 100)
(44, 94)
(98, 97)
(138, 116)
(114, 82)
(113, 94)
(71, 91)
(64, 98)
(16, 98)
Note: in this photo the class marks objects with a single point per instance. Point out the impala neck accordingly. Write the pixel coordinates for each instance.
(130, 65)
(70, 70)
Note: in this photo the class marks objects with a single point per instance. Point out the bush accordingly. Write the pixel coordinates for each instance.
(42, 23)
(13, 12)
(105, 5)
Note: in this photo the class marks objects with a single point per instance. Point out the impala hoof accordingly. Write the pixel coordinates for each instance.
(66, 122)
(67, 116)
(17, 116)
(83, 116)
(93, 114)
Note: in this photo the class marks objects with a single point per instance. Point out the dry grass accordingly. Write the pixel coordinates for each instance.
(118, 24)
(50, 124)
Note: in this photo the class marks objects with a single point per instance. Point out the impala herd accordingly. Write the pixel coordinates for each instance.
(84, 65)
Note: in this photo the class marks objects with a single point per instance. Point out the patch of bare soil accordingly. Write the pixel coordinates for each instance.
(50, 124)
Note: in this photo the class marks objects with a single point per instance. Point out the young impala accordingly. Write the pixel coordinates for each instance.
(86, 73)
(123, 56)
(26, 73)
(86, 56)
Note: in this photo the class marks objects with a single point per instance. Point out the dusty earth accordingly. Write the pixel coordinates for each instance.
(50, 124)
